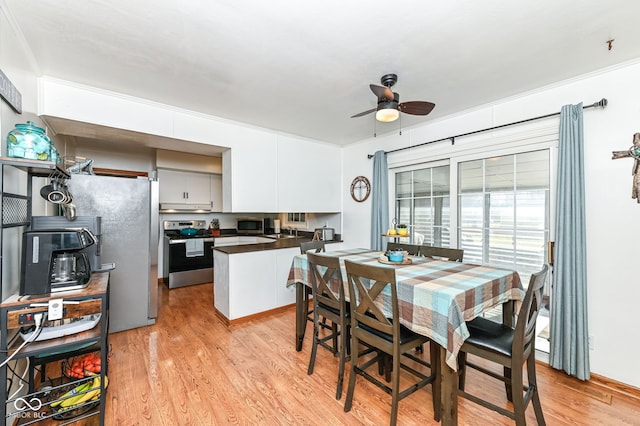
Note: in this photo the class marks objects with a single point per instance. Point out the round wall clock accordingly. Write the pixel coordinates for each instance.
(360, 189)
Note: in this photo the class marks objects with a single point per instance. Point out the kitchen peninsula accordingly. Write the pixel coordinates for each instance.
(250, 279)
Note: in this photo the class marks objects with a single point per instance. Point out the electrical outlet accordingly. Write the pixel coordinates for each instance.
(28, 319)
(55, 310)
(592, 342)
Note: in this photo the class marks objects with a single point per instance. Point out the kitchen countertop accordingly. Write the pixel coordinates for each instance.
(281, 243)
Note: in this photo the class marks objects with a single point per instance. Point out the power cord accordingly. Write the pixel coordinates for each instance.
(39, 319)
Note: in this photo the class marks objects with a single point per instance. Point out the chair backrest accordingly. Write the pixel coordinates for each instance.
(452, 254)
(326, 281)
(412, 249)
(366, 283)
(525, 330)
(317, 246)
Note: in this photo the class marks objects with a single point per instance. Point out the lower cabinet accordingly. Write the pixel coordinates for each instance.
(245, 284)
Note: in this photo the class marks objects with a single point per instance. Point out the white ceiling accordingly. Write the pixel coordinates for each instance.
(304, 67)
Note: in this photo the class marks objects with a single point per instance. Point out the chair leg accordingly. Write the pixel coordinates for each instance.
(334, 331)
(507, 387)
(352, 373)
(314, 345)
(517, 395)
(395, 388)
(462, 369)
(535, 398)
(342, 353)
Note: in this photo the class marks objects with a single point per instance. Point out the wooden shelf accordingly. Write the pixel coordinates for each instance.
(395, 236)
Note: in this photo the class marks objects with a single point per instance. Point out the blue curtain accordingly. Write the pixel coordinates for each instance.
(379, 201)
(569, 332)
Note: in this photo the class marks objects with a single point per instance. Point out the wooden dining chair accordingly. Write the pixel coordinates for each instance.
(452, 254)
(412, 249)
(371, 326)
(315, 246)
(329, 302)
(510, 347)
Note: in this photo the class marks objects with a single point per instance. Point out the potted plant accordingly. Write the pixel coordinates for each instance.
(402, 230)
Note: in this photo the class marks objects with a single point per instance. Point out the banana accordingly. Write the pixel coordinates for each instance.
(72, 394)
(93, 391)
(106, 383)
(92, 394)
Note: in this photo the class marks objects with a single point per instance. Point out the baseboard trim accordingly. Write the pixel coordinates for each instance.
(618, 389)
(230, 323)
(607, 386)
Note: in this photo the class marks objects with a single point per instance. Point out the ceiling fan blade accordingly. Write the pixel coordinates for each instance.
(382, 92)
(363, 113)
(416, 107)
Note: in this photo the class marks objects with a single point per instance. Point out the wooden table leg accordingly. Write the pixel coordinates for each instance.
(436, 387)
(301, 315)
(449, 391)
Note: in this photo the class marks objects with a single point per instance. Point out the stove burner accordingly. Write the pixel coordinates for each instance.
(172, 228)
(175, 235)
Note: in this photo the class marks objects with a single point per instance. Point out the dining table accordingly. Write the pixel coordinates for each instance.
(436, 299)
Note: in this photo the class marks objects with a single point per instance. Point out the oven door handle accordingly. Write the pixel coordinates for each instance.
(178, 241)
(184, 241)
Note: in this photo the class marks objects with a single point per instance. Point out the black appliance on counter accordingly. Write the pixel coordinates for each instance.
(55, 260)
(92, 223)
(250, 226)
(188, 252)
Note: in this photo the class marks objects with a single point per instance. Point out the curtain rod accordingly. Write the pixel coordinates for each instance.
(601, 103)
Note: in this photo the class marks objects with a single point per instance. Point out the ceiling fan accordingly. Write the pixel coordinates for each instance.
(389, 106)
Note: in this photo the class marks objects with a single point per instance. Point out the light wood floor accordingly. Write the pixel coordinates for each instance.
(189, 369)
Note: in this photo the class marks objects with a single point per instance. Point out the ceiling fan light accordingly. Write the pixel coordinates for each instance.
(387, 115)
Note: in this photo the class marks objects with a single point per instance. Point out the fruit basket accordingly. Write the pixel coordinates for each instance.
(75, 399)
(81, 366)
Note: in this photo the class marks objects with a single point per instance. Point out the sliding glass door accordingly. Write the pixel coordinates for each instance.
(504, 211)
(422, 203)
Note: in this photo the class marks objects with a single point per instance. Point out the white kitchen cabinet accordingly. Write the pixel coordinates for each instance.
(245, 284)
(216, 193)
(309, 176)
(185, 188)
(250, 175)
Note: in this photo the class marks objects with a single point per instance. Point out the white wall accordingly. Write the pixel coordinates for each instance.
(17, 67)
(612, 216)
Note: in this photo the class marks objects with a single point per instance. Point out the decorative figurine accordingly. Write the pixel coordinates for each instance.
(633, 152)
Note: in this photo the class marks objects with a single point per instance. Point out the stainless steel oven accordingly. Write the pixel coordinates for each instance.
(188, 256)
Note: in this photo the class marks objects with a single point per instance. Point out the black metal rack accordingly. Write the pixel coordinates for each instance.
(16, 208)
(91, 300)
(17, 211)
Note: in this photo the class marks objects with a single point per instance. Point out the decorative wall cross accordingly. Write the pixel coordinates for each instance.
(633, 152)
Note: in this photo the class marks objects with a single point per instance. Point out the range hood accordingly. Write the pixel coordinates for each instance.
(185, 207)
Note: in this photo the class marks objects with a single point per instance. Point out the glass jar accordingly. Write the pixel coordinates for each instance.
(29, 141)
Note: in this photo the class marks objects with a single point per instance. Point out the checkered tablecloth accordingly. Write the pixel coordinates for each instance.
(436, 297)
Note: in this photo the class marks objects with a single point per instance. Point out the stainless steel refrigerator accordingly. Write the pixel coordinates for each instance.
(130, 238)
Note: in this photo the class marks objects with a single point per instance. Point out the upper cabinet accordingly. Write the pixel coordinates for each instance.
(184, 190)
(309, 176)
(216, 193)
(281, 174)
(250, 174)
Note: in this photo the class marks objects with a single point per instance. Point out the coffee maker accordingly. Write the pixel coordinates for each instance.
(55, 260)
(92, 223)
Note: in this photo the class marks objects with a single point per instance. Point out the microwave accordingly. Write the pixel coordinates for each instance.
(249, 225)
